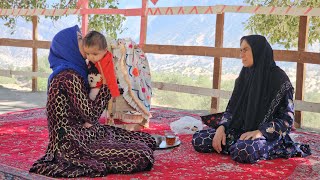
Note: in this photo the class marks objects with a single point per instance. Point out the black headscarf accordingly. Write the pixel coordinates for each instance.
(258, 89)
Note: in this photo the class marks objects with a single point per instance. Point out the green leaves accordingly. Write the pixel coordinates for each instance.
(279, 29)
(110, 25)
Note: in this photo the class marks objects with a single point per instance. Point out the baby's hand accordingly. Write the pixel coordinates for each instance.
(87, 125)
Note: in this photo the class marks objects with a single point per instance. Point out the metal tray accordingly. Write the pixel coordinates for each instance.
(161, 142)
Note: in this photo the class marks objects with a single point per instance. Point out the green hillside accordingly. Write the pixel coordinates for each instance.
(196, 102)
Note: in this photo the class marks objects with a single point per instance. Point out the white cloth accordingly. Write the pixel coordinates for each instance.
(186, 125)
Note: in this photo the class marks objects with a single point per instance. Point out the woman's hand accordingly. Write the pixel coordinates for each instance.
(218, 139)
(87, 125)
(251, 135)
(104, 81)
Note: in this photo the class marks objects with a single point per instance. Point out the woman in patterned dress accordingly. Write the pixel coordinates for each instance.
(74, 149)
(260, 113)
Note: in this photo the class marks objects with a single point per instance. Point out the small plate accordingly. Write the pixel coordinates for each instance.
(161, 142)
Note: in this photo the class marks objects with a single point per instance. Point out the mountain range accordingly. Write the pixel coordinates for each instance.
(191, 30)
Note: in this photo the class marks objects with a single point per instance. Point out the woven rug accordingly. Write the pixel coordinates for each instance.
(24, 138)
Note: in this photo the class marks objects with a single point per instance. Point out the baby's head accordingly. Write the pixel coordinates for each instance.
(95, 46)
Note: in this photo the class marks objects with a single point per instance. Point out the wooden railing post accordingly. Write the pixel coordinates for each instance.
(34, 52)
(85, 17)
(143, 24)
(301, 73)
(217, 66)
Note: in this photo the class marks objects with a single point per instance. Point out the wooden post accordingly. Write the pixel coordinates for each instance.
(34, 52)
(301, 73)
(85, 18)
(143, 33)
(217, 67)
(143, 24)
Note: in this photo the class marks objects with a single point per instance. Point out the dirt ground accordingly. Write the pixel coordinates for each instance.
(14, 98)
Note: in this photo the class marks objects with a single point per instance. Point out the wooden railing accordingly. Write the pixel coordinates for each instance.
(301, 57)
(280, 55)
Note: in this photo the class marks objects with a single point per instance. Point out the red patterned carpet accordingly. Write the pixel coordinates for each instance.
(24, 137)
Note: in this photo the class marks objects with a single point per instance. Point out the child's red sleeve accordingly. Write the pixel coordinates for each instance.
(108, 70)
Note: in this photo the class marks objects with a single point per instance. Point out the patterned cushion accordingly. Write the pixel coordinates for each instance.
(212, 120)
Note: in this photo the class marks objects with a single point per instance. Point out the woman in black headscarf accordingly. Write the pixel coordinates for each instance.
(260, 113)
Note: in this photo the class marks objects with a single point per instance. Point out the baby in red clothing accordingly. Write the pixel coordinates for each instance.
(100, 64)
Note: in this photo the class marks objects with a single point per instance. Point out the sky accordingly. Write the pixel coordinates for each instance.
(132, 24)
(233, 23)
(166, 3)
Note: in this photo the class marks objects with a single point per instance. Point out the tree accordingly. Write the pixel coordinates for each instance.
(107, 24)
(282, 29)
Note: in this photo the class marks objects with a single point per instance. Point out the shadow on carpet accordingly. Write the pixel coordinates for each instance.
(24, 138)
